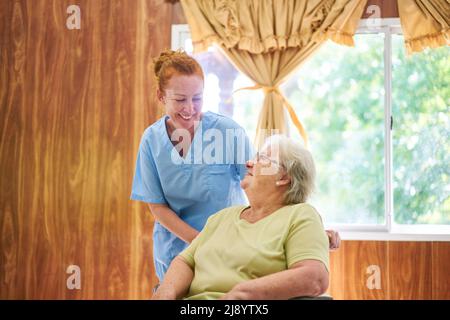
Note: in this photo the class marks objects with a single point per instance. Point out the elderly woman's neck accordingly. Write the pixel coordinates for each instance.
(263, 206)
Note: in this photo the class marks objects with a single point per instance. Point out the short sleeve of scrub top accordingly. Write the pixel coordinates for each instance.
(146, 183)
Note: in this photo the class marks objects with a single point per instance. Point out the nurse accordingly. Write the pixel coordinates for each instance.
(189, 163)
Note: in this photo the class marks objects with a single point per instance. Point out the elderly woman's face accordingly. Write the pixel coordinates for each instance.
(262, 171)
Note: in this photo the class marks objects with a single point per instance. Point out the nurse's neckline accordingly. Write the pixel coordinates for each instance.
(170, 130)
(175, 143)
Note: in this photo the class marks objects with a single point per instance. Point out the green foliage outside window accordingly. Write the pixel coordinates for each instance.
(339, 95)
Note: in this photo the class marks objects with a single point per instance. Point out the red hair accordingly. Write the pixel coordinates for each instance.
(172, 62)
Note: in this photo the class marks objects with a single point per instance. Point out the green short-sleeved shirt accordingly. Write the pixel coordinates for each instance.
(230, 250)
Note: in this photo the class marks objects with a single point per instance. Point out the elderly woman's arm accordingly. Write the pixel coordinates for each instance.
(304, 278)
(176, 282)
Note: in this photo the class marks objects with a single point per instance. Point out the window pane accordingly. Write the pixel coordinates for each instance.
(339, 96)
(421, 135)
(221, 80)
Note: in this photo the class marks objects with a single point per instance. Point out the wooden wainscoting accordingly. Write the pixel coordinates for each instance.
(73, 105)
(407, 270)
(441, 270)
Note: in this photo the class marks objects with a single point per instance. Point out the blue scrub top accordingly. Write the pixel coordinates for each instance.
(206, 181)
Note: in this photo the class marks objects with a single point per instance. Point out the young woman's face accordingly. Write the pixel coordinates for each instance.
(183, 99)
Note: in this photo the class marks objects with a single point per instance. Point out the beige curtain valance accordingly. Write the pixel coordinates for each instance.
(260, 26)
(425, 23)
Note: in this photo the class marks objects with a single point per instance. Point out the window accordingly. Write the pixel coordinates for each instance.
(338, 95)
(421, 139)
(369, 177)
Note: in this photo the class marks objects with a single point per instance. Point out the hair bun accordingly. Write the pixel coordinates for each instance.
(170, 62)
(164, 56)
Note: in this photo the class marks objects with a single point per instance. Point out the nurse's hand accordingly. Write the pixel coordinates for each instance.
(334, 239)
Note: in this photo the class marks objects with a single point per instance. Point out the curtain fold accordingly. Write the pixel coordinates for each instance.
(268, 40)
(425, 23)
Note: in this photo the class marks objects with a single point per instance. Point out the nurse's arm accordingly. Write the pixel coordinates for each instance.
(172, 222)
(176, 282)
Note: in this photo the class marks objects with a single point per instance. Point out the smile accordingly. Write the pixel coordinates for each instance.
(186, 117)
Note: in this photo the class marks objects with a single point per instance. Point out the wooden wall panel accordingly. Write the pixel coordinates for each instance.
(337, 274)
(365, 260)
(178, 16)
(73, 105)
(410, 274)
(441, 270)
(409, 270)
(388, 8)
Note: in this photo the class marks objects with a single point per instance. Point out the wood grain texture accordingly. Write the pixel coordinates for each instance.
(409, 270)
(441, 270)
(336, 287)
(388, 9)
(73, 105)
(410, 275)
(178, 16)
(363, 260)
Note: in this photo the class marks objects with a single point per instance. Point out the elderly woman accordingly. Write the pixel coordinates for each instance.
(274, 248)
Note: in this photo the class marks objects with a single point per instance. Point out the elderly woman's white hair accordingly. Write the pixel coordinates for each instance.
(299, 164)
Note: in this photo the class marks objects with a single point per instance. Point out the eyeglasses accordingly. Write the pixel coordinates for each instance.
(265, 160)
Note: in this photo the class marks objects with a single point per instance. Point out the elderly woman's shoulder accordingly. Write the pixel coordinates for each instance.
(305, 211)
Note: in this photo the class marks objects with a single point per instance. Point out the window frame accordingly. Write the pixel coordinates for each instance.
(389, 230)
